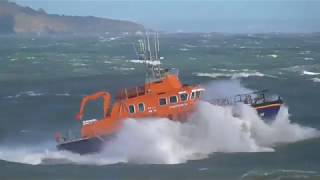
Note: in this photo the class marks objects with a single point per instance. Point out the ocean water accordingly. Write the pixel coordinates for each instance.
(42, 81)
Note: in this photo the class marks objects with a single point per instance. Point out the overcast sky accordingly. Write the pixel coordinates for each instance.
(235, 16)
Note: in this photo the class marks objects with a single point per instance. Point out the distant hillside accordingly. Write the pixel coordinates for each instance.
(14, 18)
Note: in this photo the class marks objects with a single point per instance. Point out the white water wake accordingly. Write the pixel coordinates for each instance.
(211, 129)
(161, 141)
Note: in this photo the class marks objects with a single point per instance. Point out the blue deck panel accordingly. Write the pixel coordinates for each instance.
(268, 113)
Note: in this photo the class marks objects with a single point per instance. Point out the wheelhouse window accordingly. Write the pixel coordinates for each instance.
(184, 97)
(131, 109)
(198, 94)
(141, 107)
(162, 101)
(193, 95)
(173, 99)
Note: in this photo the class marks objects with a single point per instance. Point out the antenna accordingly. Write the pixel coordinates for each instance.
(158, 52)
(144, 48)
(151, 62)
(156, 46)
(139, 49)
(149, 49)
(135, 49)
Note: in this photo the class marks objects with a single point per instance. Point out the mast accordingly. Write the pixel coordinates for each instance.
(149, 49)
(156, 46)
(150, 56)
(157, 49)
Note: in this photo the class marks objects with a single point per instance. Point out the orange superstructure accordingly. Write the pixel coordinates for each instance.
(165, 98)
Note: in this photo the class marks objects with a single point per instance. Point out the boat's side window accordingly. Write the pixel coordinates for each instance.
(198, 94)
(184, 97)
(193, 95)
(141, 107)
(131, 109)
(173, 99)
(162, 101)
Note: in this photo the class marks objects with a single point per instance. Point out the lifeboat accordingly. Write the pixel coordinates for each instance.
(162, 96)
(165, 98)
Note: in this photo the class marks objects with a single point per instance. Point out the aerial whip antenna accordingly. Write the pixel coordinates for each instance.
(149, 49)
(156, 46)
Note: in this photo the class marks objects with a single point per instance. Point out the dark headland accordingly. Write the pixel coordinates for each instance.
(17, 19)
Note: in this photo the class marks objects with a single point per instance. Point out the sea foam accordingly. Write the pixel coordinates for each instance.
(310, 73)
(236, 75)
(315, 79)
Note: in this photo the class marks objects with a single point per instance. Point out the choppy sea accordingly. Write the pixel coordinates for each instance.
(43, 78)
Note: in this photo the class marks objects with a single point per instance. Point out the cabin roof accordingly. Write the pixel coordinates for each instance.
(168, 83)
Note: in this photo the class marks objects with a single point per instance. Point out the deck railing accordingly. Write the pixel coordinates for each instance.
(130, 93)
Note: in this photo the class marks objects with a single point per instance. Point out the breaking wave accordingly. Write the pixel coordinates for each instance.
(308, 58)
(233, 73)
(273, 55)
(315, 79)
(123, 68)
(310, 73)
(303, 70)
(184, 49)
(34, 94)
(304, 52)
(27, 93)
(230, 75)
(281, 174)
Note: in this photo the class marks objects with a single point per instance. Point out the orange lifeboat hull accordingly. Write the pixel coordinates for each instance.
(166, 98)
